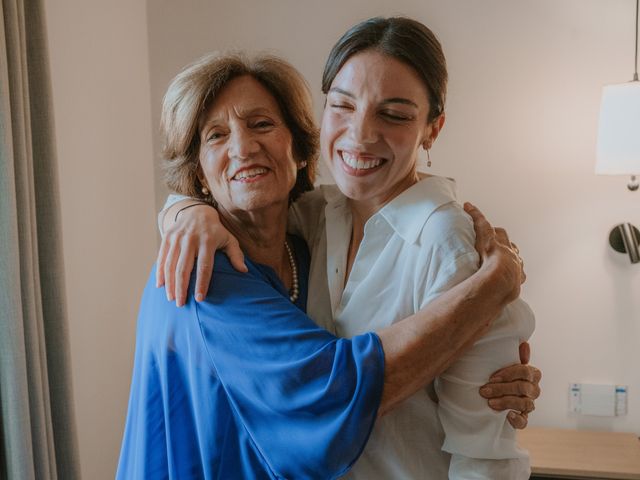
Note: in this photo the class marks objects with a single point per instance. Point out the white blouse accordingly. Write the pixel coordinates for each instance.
(416, 247)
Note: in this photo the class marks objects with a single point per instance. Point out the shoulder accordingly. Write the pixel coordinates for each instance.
(222, 264)
(450, 218)
(446, 251)
(311, 201)
(306, 215)
(159, 318)
(259, 284)
(449, 230)
(226, 282)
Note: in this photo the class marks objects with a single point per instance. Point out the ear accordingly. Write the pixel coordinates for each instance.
(432, 130)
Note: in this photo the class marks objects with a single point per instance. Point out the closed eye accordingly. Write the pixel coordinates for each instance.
(395, 116)
(341, 106)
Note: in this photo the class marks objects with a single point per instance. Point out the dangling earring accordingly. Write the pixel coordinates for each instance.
(428, 158)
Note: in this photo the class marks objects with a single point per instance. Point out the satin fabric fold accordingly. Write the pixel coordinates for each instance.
(245, 385)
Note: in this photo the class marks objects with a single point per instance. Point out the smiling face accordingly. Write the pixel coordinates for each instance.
(246, 152)
(374, 123)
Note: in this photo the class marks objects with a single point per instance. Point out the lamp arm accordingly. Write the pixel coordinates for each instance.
(630, 241)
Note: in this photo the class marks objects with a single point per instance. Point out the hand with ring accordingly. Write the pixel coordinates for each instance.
(514, 388)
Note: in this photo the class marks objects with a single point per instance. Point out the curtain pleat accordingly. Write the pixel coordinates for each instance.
(37, 421)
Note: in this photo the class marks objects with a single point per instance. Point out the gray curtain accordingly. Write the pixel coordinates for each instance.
(37, 427)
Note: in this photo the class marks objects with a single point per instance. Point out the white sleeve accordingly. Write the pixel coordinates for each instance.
(481, 441)
(172, 199)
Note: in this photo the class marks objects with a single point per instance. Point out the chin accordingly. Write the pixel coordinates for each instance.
(352, 190)
(258, 202)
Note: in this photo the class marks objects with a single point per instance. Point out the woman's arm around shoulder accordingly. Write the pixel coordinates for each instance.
(191, 233)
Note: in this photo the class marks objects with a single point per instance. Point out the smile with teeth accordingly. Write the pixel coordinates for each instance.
(360, 163)
(249, 173)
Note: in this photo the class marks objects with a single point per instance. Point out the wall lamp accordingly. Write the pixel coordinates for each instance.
(618, 151)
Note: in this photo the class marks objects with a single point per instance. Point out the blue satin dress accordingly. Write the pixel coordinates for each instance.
(245, 386)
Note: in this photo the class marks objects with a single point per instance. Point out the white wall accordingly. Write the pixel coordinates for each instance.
(520, 138)
(100, 76)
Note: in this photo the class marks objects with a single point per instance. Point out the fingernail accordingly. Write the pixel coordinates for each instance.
(485, 391)
(511, 415)
(495, 380)
(493, 403)
(199, 297)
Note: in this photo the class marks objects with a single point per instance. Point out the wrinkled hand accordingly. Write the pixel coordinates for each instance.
(514, 388)
(194, 238)
(497, 254)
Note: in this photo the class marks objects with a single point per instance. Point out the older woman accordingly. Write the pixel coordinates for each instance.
(387, 244)
(243, 384)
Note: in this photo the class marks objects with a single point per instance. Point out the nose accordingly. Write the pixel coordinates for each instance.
(242, 144)
(363, 128)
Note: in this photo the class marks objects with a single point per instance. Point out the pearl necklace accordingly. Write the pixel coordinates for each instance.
(294, 293)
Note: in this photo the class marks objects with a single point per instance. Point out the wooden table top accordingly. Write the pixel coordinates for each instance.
(581, 453)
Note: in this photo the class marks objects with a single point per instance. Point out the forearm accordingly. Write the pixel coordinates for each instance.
(420, 347)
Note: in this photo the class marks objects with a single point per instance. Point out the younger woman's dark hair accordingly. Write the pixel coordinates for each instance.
(402, 38)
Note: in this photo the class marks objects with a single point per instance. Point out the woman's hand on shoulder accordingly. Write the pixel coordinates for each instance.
(499, 257)
(191, 236)
(514, 388)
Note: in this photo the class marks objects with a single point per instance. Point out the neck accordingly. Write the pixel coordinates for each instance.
(261, 234)
(363, 210)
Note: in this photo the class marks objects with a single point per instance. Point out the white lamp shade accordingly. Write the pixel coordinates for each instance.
(618, 150)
